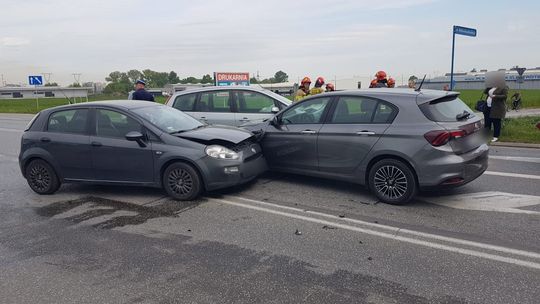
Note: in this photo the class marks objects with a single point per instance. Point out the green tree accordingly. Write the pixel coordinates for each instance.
(253, 80)
(173, 77)
(281, 76)
(207, 79)
(190, 79)
(75, 85)
(51, 84)
(134, 75)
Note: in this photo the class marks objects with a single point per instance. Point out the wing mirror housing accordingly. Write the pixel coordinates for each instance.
(276, 121)
(275, 110)
(137, 137)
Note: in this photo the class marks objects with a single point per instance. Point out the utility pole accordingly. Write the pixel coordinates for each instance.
(77, 77)
(47, 77)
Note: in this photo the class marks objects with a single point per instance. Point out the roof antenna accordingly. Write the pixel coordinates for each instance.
(421, 83)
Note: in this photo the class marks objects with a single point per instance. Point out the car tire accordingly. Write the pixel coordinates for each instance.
(182, 182)
(41, 177)
(392, 181)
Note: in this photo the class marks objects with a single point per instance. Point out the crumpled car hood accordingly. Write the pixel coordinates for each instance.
(213, 134)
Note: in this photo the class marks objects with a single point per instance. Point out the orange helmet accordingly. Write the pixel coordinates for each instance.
(373, 83)
(391, 82)
(380, 75)
(319, 82)
(330, 87)
(305, 80)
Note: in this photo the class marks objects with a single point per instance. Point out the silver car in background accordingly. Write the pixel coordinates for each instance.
(395, 141)
(233, 105)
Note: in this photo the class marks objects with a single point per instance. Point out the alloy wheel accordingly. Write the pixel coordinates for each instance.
(180, 181)
(390, 181)
(40, 178)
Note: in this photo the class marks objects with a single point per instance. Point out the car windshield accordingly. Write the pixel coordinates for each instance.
(168, 119)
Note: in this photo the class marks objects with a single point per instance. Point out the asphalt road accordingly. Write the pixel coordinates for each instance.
(280, 239)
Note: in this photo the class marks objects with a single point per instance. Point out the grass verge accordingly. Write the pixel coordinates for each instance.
(521, 130)
(29, 106)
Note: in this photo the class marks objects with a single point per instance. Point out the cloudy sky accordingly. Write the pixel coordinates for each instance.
(331, 38)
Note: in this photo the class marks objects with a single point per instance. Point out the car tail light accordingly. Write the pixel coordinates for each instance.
(441, 137)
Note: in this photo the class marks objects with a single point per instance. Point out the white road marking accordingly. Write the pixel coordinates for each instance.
(488, 201)
(517, 158)
(397, 230)
(518, 175)
(396, 237)
(10, 130)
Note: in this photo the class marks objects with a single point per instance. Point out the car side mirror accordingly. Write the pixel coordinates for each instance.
(276, 121)
(275, 110)
(137, 137)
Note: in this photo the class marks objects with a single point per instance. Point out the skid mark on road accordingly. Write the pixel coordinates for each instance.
(113, 213)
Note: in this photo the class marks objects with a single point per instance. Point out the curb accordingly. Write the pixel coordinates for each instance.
(515, 145)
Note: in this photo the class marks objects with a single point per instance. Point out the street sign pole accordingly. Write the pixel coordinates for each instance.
(459, 30)
(452, 68)
(37, 98)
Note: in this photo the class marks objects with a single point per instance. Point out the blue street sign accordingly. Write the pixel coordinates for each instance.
(35, 80)
(465, 31)
(459, 30)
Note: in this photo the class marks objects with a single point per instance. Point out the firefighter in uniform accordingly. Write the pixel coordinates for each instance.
(317, 89)
(303, 90)
(380, 80)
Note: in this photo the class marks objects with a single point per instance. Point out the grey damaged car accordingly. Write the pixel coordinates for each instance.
(135, 143)
(394, 141)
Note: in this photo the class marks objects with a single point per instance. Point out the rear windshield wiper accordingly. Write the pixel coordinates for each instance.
(463, 115)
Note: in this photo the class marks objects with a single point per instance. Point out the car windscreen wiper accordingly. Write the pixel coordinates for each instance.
(463, 115)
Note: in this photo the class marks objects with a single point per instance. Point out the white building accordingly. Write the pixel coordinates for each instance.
(43, 92)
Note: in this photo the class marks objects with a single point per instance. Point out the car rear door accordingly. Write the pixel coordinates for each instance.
(114, 158)
(291, 145)
(67, 139)
(250, 105)
(352, 128)
(214, 107)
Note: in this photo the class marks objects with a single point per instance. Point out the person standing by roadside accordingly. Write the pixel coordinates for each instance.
(141, 93)
(495, 110)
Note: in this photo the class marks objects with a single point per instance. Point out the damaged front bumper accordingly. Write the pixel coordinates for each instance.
(223, 173)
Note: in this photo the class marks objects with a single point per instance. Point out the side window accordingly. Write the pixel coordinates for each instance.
(69, 121)
(114, 124)
(185, 102)
(384, 113)
(213, 102)
(253, 102)
(308, 112)
(354, 110)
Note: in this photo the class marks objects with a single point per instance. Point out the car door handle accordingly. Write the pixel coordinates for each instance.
(308, 132)
(45, 139)
(244, 119)
(96, 144)
(202, 117)
(365, 133)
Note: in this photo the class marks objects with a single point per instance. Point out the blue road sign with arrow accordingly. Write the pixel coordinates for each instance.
(35, 80)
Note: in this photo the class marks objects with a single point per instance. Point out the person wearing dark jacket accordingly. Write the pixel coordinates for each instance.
(495, 110)
(141, 93)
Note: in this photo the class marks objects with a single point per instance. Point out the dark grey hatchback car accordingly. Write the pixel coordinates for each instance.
(135, 143)
(394, 141)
